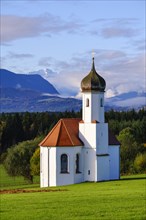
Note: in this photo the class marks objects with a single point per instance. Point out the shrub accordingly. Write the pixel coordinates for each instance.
(140, 163)
(17, 162)
(35, 163)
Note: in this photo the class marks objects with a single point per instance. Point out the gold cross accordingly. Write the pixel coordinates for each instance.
(93, 53)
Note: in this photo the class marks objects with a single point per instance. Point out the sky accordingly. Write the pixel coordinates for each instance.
(61, 36)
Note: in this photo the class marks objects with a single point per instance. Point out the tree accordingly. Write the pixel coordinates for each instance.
(18, 158)
(129, 148)
(140, 163)
(35, 163)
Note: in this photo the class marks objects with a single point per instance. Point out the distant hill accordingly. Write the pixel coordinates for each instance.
(32, 93)
(23, 81)
(14, 100)
(22, 92)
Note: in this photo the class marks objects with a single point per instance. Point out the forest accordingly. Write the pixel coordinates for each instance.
(20, 129)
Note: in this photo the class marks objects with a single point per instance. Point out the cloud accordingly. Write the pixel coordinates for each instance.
(45, 73)
(18, 27)
(115, 28)
(15, 56)
(139, 45)
(116, 21)
(45, 61)
(110, 93)
(118, 32)
(19, 56)
(126, 74)
(122, 72)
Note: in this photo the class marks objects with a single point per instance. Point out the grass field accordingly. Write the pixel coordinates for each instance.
(7, 182)
(124, 199)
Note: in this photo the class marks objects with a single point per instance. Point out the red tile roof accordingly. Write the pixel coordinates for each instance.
(66, 133)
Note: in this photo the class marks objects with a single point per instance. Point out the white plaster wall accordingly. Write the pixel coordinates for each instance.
(97, 110)
(102, 138)
(95, 138)
(44, 172)
(89, 164)
(87, 133)
(102, 168)
(71, 177)
(114, 152)
(86, 110)
(94, 111)
(52, 166)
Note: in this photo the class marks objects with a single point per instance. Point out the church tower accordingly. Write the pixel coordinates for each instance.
(93, 86)
(93, 130)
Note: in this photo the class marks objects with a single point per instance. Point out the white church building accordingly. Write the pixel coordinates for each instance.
(79, 150)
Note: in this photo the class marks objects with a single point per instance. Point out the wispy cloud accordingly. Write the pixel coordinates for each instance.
(115, 28)
(18, 27)
(19, 56)
(122, 72)
(116, 21)
(118, 32)
(45, 61)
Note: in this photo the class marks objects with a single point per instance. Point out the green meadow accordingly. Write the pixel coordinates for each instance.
(123, 199)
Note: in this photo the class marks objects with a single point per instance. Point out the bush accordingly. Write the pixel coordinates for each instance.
(17, 162)
(140, 163)
(35, 163)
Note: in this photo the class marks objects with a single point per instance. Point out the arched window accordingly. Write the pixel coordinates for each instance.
(64, 163)
(77, 163)
(87, 102)
(101, 102)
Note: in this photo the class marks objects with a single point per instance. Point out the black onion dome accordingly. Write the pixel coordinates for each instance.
(93, 81)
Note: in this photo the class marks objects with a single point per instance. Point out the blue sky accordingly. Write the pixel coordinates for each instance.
(61, 35)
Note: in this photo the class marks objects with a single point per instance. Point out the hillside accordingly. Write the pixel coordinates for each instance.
(21, 100)
(26, 82)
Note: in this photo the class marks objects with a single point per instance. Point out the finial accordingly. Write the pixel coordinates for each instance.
(93, 53)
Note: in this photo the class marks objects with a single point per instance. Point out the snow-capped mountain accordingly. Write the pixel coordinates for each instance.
(31, 92)
(45, 73)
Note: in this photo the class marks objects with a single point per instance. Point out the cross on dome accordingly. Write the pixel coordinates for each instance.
(93, 81)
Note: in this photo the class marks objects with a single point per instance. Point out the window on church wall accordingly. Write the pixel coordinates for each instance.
(87, 102)
(77, 163)
(101, 102)
(64, 163)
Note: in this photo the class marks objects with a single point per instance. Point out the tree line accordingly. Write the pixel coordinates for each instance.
(18, 127)
(20, 134)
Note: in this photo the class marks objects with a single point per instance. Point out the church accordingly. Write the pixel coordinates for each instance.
(79, 150)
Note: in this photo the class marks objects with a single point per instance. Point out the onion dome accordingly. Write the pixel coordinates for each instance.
(93, 81)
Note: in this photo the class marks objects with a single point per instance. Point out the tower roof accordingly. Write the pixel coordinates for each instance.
(93, 81)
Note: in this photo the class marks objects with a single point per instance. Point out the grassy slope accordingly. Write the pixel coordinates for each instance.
(124, 199)
(12, 182)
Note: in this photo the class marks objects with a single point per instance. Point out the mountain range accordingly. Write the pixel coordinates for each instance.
(24, 92)
(33, 82)
(33, 93)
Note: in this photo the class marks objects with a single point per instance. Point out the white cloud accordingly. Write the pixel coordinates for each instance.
(122, 72)
(110, 93)
(17, 27)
